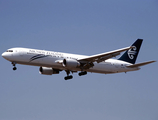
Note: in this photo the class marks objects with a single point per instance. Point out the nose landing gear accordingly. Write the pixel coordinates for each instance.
(13, 63)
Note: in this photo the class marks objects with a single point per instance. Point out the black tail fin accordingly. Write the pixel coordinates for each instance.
(131, 54)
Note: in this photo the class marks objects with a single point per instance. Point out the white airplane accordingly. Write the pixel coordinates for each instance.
(51, 62)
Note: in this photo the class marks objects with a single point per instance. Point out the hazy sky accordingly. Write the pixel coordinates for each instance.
(84, 27)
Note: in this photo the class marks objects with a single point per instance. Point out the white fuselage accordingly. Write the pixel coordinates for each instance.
(44, 58)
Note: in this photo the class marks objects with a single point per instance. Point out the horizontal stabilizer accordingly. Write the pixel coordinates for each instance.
(140, 64)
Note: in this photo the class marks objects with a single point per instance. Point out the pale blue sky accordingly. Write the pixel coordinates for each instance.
(84, 27)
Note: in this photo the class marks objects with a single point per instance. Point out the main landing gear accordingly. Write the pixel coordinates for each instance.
(13, 63)
(68, 76)
(82, 73)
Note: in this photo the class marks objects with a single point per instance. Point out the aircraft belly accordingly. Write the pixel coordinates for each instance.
(101, 68)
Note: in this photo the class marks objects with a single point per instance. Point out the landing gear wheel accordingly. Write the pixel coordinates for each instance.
(14, 63)
(82, 73)
(68, 77)
(14, 68)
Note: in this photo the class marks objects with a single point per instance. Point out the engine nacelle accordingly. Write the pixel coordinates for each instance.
(70, 63)
(48, 71)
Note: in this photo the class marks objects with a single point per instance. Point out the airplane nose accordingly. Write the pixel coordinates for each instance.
(6, 55)
(3, 55)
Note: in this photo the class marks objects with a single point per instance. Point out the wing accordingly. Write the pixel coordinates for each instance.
(103, 56)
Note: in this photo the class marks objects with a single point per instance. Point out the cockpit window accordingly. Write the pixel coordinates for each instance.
(9, 51)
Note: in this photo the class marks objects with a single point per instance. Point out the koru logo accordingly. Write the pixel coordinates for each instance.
(132, 52)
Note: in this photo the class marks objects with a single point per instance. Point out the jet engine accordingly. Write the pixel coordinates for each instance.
(70, 63)
(48, 71)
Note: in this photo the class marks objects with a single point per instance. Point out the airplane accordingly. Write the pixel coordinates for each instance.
(51, 62)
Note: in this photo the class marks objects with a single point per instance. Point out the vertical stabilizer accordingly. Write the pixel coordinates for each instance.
(131, 54)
